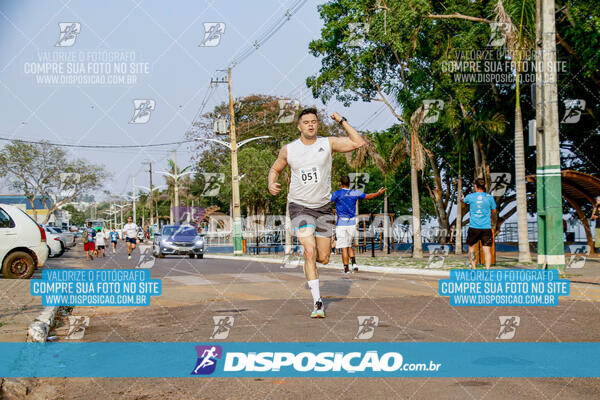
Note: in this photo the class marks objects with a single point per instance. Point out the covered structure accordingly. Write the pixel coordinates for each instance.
(579, 188)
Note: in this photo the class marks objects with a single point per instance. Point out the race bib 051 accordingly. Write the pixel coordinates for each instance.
(310, 176)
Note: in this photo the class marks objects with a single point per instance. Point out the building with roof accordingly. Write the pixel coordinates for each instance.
(42, 207)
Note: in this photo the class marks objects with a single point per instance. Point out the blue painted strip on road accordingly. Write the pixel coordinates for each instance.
(341, 359)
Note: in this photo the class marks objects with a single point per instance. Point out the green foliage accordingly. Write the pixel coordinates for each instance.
(255, 115)
(77, 217)
(36, 170)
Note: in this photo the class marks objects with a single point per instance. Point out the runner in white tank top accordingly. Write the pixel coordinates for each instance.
(310, 184)
(309, 158)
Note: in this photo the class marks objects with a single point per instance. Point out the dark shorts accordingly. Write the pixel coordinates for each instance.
(100, 247)
(131, 240)
(320, 219)
(484, 235)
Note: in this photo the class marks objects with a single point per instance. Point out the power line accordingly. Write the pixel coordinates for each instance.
(249, 50)
(97, 146)
(278, 24)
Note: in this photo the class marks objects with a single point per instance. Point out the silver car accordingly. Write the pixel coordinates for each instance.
(67, 238)
(178, 240)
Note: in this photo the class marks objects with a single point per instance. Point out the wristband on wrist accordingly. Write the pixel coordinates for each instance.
(342, 120)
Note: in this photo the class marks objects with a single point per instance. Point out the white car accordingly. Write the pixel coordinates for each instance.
(23, 245)
(56, 247)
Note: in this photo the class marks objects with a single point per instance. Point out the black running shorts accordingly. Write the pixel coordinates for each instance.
(484, 235)
(320, 219)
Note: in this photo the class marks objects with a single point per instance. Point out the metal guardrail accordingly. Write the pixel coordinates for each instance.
(400, 235)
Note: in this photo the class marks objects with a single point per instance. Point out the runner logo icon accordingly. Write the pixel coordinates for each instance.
(207, 359)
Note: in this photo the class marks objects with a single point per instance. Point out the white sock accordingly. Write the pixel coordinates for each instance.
(314, 290)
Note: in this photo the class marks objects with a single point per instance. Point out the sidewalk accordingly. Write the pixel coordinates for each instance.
(17, 309)
(403, 263)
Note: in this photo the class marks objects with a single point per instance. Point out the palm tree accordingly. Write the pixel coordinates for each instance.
(417, 163)
(515, 43)
(170, 181)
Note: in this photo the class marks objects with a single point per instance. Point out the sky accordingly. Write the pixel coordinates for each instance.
(82, 88)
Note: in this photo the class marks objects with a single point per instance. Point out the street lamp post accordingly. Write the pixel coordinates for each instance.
(176, 180)
(121, 206)
(151, 190)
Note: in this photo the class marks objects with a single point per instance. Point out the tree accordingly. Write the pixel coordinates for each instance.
(44, 170)
(77, 217)
(386, 150)
(256, 115)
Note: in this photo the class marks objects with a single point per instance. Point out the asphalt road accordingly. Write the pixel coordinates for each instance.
(270, 303)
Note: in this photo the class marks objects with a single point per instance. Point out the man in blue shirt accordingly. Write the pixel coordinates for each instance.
(88, 236)
(481, 208)
(345, 229)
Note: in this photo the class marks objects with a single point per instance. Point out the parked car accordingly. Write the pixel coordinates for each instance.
(178, 240)
(67, 237)
(56, 247)
(23, 245)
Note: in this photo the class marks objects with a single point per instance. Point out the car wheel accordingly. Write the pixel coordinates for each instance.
(191, 256)
(49, 251)
(161, 255)
(62, 250)
(18, 265)
(200, 255)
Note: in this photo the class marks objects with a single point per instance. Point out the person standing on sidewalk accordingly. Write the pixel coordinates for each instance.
(345, 228)
(310, 159)
(481, 208)
(596, 217)
(88, 237)
(130, 230)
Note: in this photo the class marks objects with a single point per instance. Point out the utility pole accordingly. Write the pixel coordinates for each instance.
(112, 206)
(235, 181)
(237, 218)
(548, 174)
(151, 195)
(133, 197)
(176, 179)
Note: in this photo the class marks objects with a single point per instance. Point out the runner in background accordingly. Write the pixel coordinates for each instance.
(100, 243)
(114, 238)
(89, 234)
(130, 231)
(345, 229)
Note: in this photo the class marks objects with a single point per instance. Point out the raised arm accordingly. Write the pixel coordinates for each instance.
(370, 196)
(345, 144)
(278, 166)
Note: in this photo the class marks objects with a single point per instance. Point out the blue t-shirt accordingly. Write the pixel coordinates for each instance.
(345, 205)
(480, 208)
(91, 234)
(114, 236)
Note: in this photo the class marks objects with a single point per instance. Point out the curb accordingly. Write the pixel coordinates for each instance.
(367, 268)
(39, 328)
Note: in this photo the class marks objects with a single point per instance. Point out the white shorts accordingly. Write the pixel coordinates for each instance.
(344, 236)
